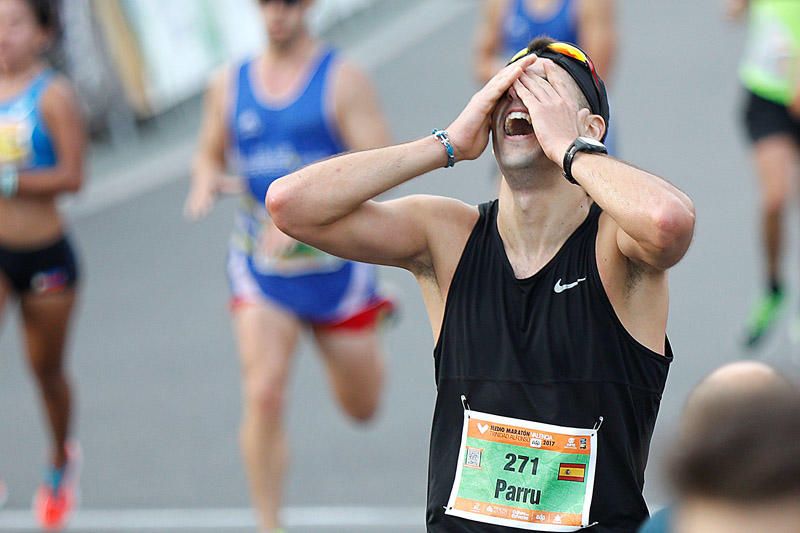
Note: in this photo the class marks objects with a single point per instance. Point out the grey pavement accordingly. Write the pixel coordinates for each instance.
(153, 353)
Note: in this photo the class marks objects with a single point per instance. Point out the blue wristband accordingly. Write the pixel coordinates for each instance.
(9, 181)
(444, 138)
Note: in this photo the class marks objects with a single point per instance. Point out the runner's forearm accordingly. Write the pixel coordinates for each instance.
(646, 207)
(48, 182)
(325, 192)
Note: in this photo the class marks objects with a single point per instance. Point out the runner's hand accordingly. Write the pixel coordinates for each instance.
(274, 242)
(554, 113)
(199, 203)
(230, 185)
(201, 198)
(469, 133)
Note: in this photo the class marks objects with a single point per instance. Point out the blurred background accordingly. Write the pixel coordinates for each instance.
(153, 352)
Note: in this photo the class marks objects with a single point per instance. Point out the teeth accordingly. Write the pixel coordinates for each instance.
(516, 115)
(519, 115)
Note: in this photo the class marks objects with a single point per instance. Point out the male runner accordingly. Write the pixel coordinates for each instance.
(295, 103)
(770, 73)
(549, 305)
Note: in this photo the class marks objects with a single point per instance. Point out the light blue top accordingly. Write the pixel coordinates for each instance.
(25, 141)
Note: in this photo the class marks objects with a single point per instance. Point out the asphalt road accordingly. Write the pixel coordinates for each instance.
(153, 354)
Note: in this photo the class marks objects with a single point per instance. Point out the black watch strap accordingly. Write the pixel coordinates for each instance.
(581, 144)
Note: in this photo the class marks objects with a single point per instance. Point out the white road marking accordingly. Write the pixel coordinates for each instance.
(218, 519)
(171, 164)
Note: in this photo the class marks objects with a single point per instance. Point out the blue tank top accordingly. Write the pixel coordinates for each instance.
(520, 26)
(269, 142)
(25, 141)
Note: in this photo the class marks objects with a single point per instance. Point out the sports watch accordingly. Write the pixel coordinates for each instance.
(581, 144)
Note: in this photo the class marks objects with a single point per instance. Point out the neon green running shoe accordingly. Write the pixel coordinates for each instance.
(763, 317)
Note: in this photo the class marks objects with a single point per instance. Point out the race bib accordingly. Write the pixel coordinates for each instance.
(523, 474)
(298, 260)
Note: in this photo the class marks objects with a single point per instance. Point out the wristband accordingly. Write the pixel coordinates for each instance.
(9, 181)
(444, 138)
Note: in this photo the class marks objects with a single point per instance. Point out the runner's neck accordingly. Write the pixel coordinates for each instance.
(533, 224)
(298, 49)
(543, 9)
(13, 82)
(281, 72)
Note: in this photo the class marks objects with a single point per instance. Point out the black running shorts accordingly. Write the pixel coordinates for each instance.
(763, 118)
(45, 270)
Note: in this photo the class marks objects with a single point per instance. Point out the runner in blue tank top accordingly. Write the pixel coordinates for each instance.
(296, 103)
(42, 144)
(507, 26)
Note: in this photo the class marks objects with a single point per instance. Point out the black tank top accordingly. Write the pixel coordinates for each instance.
(536, 350)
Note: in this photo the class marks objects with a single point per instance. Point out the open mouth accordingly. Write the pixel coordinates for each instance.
(518, 124)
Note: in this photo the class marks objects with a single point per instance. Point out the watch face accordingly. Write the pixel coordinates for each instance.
(592, 143)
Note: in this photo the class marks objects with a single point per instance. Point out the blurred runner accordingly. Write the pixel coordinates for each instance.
(549, 304)
(42, 145)
(509, 25)
(770, 73)
(294, 104)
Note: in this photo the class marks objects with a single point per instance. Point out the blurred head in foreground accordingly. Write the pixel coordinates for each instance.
(736, 467)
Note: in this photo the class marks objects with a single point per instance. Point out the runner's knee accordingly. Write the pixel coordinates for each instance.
(774, 201)
(265, 399)
(49, 372)
(362, 411)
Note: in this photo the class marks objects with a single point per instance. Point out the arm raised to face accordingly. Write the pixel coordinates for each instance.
(330, 204)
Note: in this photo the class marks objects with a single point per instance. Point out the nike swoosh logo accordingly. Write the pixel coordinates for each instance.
(559, 288)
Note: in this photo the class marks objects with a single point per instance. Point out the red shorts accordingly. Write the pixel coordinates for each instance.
(365, 319)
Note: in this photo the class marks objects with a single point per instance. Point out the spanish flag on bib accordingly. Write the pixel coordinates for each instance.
(572, 472)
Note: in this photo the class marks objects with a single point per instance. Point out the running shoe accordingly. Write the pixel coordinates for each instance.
(57, 497)
(763, 317)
